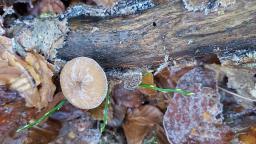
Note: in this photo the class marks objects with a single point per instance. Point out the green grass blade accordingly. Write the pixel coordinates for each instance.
(167, 90)
(105, 114)
(46, 115)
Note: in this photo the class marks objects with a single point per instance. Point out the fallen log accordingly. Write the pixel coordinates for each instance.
(145, 39)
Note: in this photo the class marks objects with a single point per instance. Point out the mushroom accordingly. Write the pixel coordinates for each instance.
(83, 83)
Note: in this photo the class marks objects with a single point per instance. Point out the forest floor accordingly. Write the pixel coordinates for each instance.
(205, 101)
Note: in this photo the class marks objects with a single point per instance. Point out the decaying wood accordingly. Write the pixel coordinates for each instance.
(167, 29)
(145, 39)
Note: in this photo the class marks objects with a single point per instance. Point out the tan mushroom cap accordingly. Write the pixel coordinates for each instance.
(84, 83)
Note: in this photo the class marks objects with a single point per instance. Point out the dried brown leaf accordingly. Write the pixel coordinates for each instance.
(125, 97)
(8, 73)
(139, 122)
(168, 77)
(47, 88)
(148, 78)
(248, 137)
(31, 77)
(119, 113)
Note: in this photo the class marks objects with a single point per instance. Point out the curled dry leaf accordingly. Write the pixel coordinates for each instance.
(139, 122)
(31, 77)
(168, 77)
(8, 73)
(84, 83)
(41, 66)
(196, 118)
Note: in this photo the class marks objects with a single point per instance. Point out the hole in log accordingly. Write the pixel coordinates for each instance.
(154, 24)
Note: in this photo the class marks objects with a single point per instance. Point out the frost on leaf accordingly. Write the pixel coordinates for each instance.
(196, 118)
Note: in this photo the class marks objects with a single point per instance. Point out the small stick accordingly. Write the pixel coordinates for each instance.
(234, 94)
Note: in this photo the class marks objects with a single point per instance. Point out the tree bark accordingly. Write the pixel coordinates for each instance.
(168, 29)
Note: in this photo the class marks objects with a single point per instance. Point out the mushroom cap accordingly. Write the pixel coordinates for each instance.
(84, 83)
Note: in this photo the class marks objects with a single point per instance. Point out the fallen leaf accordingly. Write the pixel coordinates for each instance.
(47, 87)
(125, 97)
(13, 114)
(248, 137)
(119, 113)
(196, 118)
(140, 121)
(148, 78)
(168, 77)
(31, 77)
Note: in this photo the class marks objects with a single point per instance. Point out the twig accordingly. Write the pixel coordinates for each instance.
(234, 94)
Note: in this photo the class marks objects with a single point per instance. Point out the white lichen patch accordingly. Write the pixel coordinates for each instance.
(44, 35)
(163, 65)
(242, 58)
(207, 6)
(132, 79)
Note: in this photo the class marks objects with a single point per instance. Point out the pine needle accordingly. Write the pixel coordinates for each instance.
(46, 115)
(234, 94)
(167, 90)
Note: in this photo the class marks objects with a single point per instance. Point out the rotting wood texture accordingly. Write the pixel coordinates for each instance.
(167, 29)
(145, 39)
